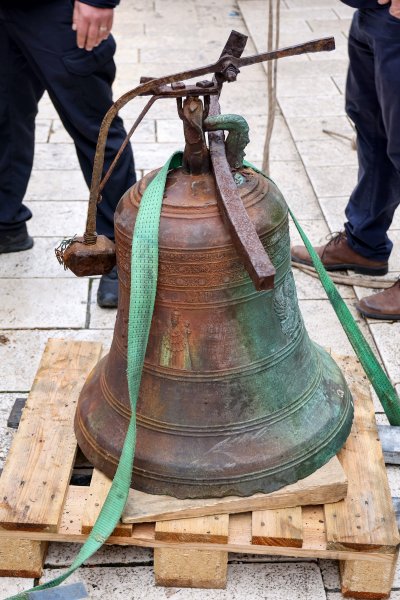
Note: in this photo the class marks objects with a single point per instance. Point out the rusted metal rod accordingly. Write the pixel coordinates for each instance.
(226, 69)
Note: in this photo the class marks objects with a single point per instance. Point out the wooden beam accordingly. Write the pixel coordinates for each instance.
(282, 527)
(97, 493)
(35, 478)
(365, 519)
(362, 579)
(212, 529)
(328, 484)
(192, 568)
(22, 558)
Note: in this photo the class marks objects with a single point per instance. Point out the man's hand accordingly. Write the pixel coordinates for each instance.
(92, 25)
(394, 8)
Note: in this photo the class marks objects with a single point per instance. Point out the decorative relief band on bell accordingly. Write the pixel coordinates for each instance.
(207, 272)
(255, 367)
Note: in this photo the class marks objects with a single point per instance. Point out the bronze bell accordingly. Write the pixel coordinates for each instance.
(235, 398)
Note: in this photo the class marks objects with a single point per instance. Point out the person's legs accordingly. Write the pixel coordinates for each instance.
(20, 91)
(384, 195)
(373, 104)
(79, 85)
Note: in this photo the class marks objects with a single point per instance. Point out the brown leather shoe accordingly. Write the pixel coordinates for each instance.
(337, 255)
(385, 305)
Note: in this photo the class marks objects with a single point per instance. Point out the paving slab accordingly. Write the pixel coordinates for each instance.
(309, 68)
(100, 318)
(312, 128)
(270, 581)
(144, 133)
(58, 185)
(324, 328)
(387, 338)
(62, 555)
(323, 105)
(62, 219)
(55, 157)
(320, 84)
(154, 155)
(330, 574)
(333, 180)
(14, 585)
(328, 152)
(340, 82)
(39, 262)
(316, 230)
(43, 303)
(333, 210)
(42, 130)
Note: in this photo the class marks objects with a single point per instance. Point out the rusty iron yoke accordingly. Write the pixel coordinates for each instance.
(95, 255)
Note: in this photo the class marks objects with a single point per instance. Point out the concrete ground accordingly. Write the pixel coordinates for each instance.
(316, 173)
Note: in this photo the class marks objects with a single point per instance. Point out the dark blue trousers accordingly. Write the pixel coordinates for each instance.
(38, 52)
(373, 104)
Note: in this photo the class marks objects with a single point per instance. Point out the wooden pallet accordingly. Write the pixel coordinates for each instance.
(39, 505)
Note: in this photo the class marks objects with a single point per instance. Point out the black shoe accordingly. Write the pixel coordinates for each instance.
(107, 294)
(15, 240)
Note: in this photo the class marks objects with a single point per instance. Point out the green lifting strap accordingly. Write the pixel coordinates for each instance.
(380, 382)
(144, 272)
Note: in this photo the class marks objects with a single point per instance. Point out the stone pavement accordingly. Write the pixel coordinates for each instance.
(315, 171)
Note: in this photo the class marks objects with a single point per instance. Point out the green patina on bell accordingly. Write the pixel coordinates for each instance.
(235, 398)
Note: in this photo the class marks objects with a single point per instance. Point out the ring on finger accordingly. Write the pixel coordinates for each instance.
(103, 28)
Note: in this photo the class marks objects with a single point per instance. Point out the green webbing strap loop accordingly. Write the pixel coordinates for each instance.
(144, 272)
(377, 376)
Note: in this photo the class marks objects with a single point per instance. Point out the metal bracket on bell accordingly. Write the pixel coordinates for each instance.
(225, 69)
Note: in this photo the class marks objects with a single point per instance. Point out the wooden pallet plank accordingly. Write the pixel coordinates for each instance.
(35, 478)
(362, 579)
(282, 527)
(22, 558)
(328, 484)
(365, 519)
(207, 569)
(213, 528)
(98, 490)
(239, 541)
(192, 568)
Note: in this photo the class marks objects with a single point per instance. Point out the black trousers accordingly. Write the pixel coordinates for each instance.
(38, 52)
(373, 103)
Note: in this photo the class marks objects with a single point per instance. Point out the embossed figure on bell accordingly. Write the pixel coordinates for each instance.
(175, 351)
(234, 398)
